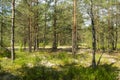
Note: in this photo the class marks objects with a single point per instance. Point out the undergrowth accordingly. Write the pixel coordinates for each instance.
(28, 66)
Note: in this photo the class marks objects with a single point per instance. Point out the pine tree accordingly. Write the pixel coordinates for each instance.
(74, 29)
(12, 31)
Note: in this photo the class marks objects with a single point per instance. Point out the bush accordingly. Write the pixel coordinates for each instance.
(104, 72)
(39, 73)
(4, 52)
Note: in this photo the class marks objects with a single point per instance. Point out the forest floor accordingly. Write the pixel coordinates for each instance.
(47, 65)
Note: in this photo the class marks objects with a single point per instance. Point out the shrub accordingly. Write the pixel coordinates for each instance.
(4, 52)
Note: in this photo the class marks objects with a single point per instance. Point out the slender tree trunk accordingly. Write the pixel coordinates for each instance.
(29, 36)
(116, 31)
(30, 30)
(24, 39)
(12, 31)
(96, 21)
(36, 39)
(112, 33)
(45, 32)
(116, 39)
(44, 36)
(102, 41)
(93, 37)
(54, 46)
(109, 31)
(74, 29)
(1, 32)
(36, 43)
(112, 38)
(24, 43)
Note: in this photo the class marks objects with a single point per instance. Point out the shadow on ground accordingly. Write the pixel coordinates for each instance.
(8, 76)
(66, 72)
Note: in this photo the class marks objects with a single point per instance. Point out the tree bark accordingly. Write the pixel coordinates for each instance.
(1, 32)
(29, 36)
(44, 36)
(12, 31)
(116, 29)
(93, 37)
(74, 29)
(36, 28)
(30, 30)
(54, 46)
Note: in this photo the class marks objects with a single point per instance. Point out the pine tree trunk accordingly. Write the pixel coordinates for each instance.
(30, 30)
(116, 33)
(36, 32)
(93, 36)
(54, 46)
(29, 36)
(102, 42)
(24, 43)
(112, 38)
(116, 30)
(1, 32)
(12, 31)
(44, 36)
(74, 29)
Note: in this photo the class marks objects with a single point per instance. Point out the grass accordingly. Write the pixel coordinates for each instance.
(58, 66)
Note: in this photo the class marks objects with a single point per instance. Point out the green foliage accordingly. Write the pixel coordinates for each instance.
(4, 52)
(62, 55)
(104, 72)
(118, 45)
(28, 67)
(39, 73)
